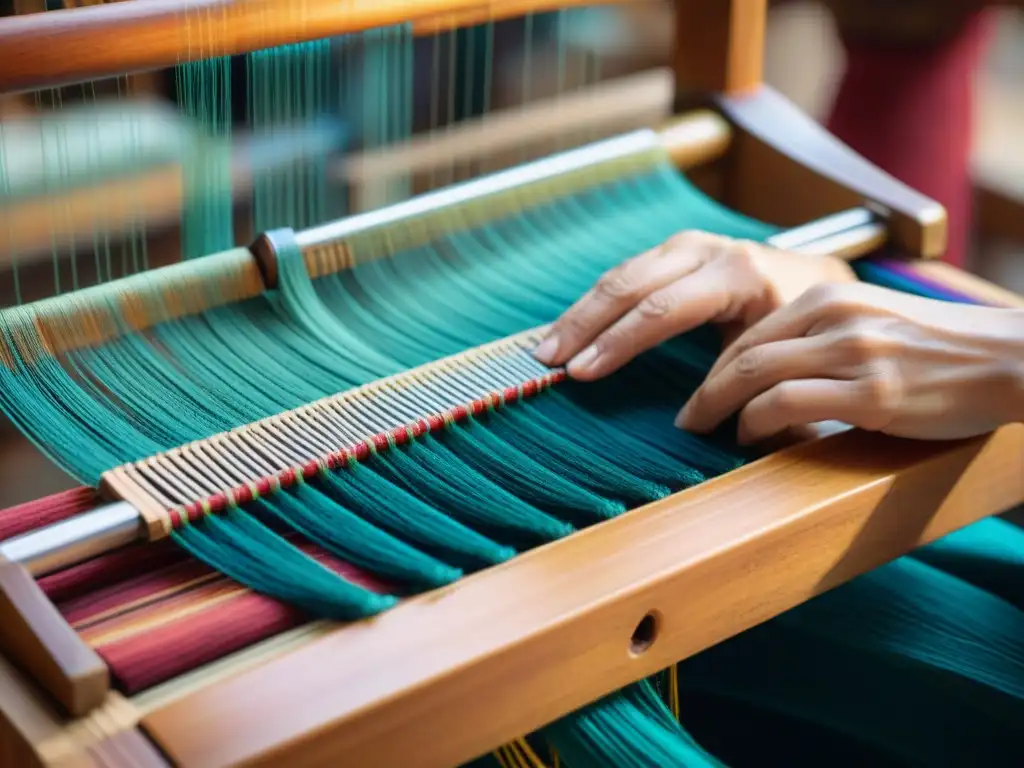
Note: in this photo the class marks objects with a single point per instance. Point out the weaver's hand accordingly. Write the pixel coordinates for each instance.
(692, 279)
(873, 358)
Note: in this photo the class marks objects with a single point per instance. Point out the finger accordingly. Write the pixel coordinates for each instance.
(758, 370)
(617, 291)
(799, 403)
(793, 320)
(677, 308)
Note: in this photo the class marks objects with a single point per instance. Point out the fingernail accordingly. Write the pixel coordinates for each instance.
(683, 417)
(547, 349)
(583, 360)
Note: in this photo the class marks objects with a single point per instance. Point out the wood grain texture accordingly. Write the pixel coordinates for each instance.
(719, 45)
(74, 45)
(35, 636)
(505, 651)
(787, 169)
(33, 733)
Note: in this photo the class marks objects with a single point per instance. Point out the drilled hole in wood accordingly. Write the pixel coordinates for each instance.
(644, 634)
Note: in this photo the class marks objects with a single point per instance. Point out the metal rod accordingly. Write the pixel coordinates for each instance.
(825, 228)
(530, 173)
(76, 539)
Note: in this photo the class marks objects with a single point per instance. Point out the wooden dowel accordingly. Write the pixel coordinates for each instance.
(94, 315)
(91, 43)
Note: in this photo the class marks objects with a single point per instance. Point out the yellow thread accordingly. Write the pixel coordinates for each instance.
(673, 689)
(518, 760)
(499, 755)
(533, 759)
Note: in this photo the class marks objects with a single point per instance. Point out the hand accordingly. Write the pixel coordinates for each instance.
(692, 279)
(872, 358)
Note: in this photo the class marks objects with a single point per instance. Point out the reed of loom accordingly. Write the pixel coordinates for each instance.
(636, 594)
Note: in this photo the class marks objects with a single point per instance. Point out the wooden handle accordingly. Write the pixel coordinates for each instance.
(788, 169)
(34, 636)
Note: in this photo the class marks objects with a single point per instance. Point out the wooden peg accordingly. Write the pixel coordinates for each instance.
(35, 637)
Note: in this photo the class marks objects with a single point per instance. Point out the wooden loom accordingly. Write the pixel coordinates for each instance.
(623, 599)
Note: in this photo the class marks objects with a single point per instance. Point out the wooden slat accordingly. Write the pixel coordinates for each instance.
(74, 45)
(719, 45)
(35, 636)
(505, 651)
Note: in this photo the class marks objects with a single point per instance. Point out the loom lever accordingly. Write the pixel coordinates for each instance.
(75, 540)
(36, 637)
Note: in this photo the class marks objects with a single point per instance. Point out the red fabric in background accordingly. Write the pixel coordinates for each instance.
(910, 111)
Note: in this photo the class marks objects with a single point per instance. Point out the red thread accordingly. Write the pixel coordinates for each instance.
(33, 515)
(380, 442)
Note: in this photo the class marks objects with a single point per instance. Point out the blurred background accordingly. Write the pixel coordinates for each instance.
(104, 179)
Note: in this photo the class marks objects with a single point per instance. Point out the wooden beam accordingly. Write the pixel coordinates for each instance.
(719, 46)
(701, 566)
(73, 45)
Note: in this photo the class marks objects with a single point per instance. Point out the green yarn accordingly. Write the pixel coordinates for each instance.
(323, 520)
(928, 669)
(553, 411)
(289, 86)
(392, 509)
(988, 554)
(528, 478)
(204, 95)
(250, 553)
(582, 467)
(438, 478)
(628, 729)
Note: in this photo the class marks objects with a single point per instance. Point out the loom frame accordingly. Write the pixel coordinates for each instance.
(723, 52)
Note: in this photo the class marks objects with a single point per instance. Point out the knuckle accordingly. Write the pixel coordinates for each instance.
(656, 305)
(882, 396)
(834, 302)
(749, 363)
(742, 255)
(615, 284)
(881, 390)
(616, 341)
(784, 398)
(825, 295)
(864, 343)
(569, 326)
(686, 238)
